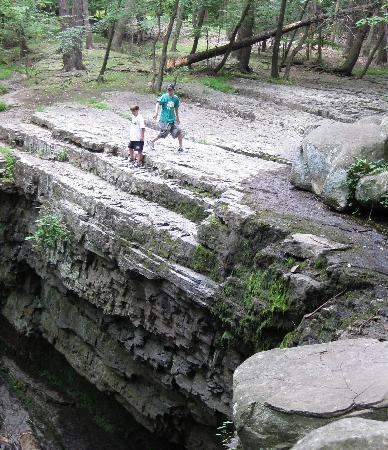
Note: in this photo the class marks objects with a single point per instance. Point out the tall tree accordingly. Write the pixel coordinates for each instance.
(178, 26)
(246, 31)
(233, 36)
(72, 34)
(198, 23)
(115, 14)
(162, 63)
(278, 36)
(378, 42)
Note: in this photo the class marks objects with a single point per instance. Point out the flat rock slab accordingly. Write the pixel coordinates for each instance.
(355, 434)
(280, 395)
(304, 245)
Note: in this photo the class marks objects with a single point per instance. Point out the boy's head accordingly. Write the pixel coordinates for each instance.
(134, 110)
(170, 88)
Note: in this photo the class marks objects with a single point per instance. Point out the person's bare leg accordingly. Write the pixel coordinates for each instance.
(131, 154)
(140, 157)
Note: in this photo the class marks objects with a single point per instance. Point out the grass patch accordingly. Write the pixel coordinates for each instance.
(371, 71)
(10, 160)
(3, 89)
(205, 262)
(218, 84)
(6, 71)
(279, 81)
(95, 103)
(3, 106)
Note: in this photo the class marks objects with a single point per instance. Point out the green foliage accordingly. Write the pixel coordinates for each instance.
(50, 231)
(205, 261)
(71, 39)
(371, 71)
(94, 103)
(359, 169)
(279, 81)
(3, 106)
(10, 161)
(218, 84)
(252, 301)
(6, 71)
(3, 89)
(62, 155)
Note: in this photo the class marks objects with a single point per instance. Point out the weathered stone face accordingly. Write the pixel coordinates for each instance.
(355, 433)
(327, 153)
(372, 189)
(281, 395)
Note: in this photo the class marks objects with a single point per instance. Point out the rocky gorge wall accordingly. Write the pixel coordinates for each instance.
(171, 275)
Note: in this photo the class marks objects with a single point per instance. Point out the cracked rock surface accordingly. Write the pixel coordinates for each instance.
(355, 433)
(280, 395)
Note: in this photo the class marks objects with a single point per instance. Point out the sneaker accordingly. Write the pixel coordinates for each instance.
(131, 161)
(151, 145)
(180, 149)
(138, 164)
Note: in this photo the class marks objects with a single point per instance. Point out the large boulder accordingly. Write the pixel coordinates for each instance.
(328, 151)
(281, 395)
(373, 189)
(355, 434)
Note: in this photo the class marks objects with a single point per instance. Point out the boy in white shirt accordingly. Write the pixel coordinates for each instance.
(136, 135)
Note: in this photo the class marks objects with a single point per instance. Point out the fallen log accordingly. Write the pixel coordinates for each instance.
(175, 63)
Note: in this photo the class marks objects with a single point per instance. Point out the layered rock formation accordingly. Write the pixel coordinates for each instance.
(170, 275)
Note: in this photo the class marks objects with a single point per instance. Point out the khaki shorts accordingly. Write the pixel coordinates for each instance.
(167, 128)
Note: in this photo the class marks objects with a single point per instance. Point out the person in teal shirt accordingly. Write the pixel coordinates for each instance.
(169, 117)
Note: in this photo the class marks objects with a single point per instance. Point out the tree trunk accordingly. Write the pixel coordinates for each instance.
(380, 39)
(294, 52)
(335, 24)
(264, 46)
(217, 51)
(288, 48)
(88, 29)
(319, 51)
(158, 14)
(278, 36)
(197, 29)
(72, 18)
(100, 77)
(246, 31)
(233, 37)
(354, 51)
(118, 36)
(381, 58)
(178, 27)
(163, 57)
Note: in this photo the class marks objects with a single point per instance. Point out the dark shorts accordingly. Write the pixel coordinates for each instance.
(169, 127)
(136, 145)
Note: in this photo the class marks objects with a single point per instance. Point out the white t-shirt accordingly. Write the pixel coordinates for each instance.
(137, 123)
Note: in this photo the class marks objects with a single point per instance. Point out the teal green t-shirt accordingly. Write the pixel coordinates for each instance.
(168, 105)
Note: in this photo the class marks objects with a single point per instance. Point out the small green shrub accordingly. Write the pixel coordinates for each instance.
(3, 106)
(10, 161)
(62, 155)
(359, 169)
(40, 108)
(50, 231)
(3, 89)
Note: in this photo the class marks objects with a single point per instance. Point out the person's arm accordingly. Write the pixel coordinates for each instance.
(157, 107)
(142, 128)
(177, 104)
